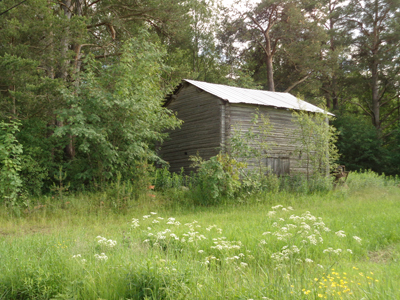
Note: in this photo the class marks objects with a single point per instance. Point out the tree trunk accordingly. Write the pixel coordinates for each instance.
(68, 7)
(270, 74)
(269, 57)
(375, 95)
(335, 102)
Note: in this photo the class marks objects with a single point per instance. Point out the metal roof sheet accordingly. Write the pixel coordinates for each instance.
(258, 97)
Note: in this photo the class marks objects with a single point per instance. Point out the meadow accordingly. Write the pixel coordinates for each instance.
(338, 244)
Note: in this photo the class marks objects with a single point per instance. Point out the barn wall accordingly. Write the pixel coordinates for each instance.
(201, 131)
(280, 157)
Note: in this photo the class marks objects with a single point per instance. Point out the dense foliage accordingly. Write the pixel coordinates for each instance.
(82, 82)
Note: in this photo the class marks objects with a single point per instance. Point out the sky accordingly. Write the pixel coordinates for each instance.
(230, 2)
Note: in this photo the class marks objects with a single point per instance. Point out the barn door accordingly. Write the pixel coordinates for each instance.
(279, 165)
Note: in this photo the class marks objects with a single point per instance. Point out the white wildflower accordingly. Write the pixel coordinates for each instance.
(337, 251)
(307, 260)
(357, 239)
(350, 251)
(201, 251)
(135, 223)
(102, 256)
(153, 213)
(340, 233)
(295, 249)
(104, 241)
(243, 264)
(312, 239)
(76, 256)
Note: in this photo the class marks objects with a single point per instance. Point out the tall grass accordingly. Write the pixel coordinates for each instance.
(168, 249)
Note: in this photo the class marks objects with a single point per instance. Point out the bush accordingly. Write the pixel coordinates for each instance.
(216, 178)
(300, 185)
(363, 179)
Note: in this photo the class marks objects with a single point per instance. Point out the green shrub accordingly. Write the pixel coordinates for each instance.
(216, 178)
(362, 179)
(10, 163)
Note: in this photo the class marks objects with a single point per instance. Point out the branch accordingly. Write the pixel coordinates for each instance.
(94, 2)
(12, 7)
(257, 23)
(96, 25)
(390, 99)
(107, 55)
(274, 46)
(391, 123)
(362, 107)
(360, 24)
(297, 83)
(262, 46)
(390, 113)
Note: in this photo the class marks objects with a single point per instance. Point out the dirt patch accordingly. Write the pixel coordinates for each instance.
(384, 256)
(22, 231)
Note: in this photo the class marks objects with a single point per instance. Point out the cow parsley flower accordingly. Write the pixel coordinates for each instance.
(104, 241)
(101, 257)
(340, 233)
(276, 207)
(135, 223)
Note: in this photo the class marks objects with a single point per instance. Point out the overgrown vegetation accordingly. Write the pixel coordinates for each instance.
(85, 214)
(84, 82)
(315, 142)
(160, 245)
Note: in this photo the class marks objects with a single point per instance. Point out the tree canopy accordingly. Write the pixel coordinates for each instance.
(82, 82)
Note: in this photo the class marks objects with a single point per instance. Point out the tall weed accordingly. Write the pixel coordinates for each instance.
(362, 179)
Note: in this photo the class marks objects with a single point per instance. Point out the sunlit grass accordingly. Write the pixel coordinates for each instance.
(52, 251)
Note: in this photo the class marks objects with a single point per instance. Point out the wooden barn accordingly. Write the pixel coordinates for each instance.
(210, 112)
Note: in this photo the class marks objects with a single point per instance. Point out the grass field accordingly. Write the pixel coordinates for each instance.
(344, 244)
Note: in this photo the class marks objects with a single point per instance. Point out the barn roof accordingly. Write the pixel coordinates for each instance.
(233, 94)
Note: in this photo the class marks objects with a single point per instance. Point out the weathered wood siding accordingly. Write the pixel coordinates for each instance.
(281, 158)
(201, 131)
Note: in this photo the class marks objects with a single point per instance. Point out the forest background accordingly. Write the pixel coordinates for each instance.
(82, 82)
